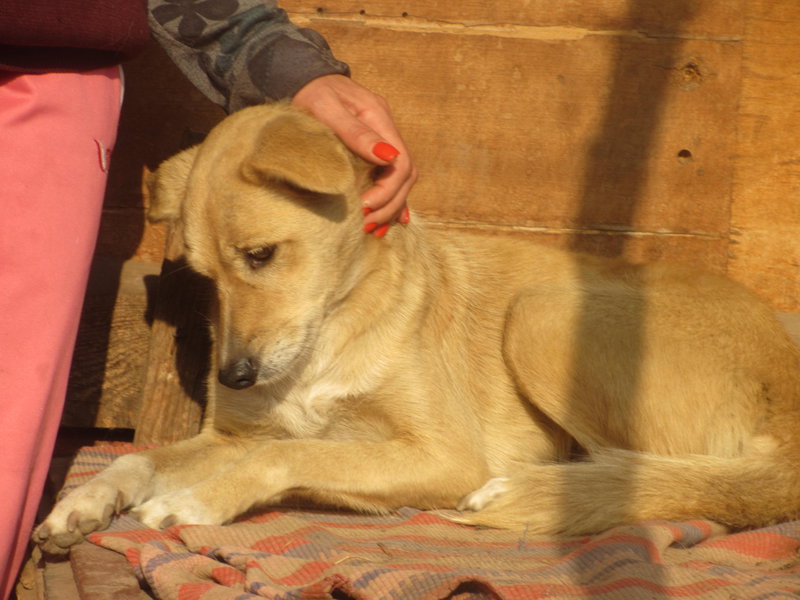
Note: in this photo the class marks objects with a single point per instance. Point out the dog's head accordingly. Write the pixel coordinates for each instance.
(269, 206)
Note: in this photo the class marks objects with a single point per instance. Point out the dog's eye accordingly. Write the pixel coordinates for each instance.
(258, 257)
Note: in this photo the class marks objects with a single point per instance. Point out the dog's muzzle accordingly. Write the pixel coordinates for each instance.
(239, 374)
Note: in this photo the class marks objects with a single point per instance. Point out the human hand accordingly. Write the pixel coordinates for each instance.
(362, 120)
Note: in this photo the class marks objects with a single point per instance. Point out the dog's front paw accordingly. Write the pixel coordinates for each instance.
(86, 509)
(484, 496)
(181, 507)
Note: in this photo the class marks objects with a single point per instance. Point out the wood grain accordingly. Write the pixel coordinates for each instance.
(611, 133)
(173, 392)
(105, 384)
(569, 19)
(765, 220)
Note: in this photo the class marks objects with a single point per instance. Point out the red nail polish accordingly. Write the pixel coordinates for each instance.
(405, 218)
(385, 151)
(381, 231)
(370, 227)
(366, 210)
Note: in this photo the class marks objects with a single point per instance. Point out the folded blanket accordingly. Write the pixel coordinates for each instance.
(291, 555)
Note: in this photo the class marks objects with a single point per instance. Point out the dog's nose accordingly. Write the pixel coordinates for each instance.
(238, 374)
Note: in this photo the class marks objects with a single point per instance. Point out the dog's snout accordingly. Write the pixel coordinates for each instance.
(239, 374)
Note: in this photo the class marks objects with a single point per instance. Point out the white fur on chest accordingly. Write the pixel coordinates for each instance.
(307, 410)
(312, 408)
(310, 403)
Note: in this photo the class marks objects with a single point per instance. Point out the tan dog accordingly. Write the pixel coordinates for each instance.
(412, 370)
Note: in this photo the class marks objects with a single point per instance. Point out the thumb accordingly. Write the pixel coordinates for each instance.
(362, 139)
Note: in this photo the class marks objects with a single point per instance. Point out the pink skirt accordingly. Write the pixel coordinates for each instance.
(56, 135)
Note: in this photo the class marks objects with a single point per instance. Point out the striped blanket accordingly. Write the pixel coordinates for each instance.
(294, 555)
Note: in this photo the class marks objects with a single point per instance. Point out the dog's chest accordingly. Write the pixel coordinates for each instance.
(304, 412)
(309, 411)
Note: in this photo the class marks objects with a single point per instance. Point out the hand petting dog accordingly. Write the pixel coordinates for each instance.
(363, 121)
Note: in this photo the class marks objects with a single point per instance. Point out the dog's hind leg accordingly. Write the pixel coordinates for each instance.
(578, 369)
(691, 439)
(652, 369)
(615, 487)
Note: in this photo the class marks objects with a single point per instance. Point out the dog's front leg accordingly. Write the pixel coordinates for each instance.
(129, 481)
(364, 475)
(90, 507)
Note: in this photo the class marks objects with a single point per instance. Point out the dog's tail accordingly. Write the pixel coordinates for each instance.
(614, 487)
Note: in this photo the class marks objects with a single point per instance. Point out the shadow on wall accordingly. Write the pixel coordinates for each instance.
(617, 164)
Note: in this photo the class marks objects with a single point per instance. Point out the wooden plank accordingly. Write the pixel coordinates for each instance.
(125, 234)
(710, 18)
(637, 247)
(765, 250)
(162, 113)
(565, 134)
(171, 407)
(108, 366)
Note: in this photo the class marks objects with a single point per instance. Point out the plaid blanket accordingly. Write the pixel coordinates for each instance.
(294, 555)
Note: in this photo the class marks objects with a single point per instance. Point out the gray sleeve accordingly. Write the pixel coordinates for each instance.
(240, 52)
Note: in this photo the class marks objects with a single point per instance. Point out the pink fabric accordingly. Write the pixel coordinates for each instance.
(56, 131)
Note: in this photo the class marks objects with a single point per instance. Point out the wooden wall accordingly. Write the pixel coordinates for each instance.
(641, 128)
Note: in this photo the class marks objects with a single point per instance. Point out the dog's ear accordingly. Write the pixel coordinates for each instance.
(164, 189)
(300, 150)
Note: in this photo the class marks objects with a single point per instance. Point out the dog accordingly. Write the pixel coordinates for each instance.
(498, 381)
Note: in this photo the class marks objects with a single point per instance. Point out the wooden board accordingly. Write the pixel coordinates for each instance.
(173, 390)
(553, 118)
(162, 114)
(542, 19)
(108, 367)
(620, 141)
(765, 219)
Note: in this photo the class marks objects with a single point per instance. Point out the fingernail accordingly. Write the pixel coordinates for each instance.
(385, 151)
(370, 227)
(366, 210)
(381, 231)
(405, 218)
